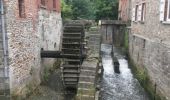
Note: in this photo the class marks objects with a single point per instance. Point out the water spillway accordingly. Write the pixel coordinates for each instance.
(118, 86)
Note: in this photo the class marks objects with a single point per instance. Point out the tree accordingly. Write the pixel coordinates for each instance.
(66, 12)
(83, 9)
(106, 9)
(90, 9)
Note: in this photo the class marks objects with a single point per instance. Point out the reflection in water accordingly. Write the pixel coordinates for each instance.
(121, 86)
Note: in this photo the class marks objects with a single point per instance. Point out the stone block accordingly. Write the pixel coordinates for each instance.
(84, 97)
(86, 91)
(85, 84)
(87, 78)
(88, 72)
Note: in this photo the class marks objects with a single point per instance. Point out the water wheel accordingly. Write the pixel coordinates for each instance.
(73, 48)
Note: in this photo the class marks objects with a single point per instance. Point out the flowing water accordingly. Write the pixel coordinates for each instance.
(122, 86)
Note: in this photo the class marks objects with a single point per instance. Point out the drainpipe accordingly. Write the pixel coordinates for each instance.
(4, 35)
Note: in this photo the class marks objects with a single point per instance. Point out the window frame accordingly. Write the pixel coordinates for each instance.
(164, 11)
(136, 12)
(168, 12)
(43, 3)
(143, 12)
(21, 8)
(54, 4)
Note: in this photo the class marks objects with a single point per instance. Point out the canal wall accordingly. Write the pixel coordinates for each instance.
(152, 61)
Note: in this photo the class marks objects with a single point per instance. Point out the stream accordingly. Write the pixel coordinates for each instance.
(119, 86)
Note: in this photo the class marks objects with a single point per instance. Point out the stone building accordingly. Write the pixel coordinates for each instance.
(26, 27)
(124, 10)
(149, 41)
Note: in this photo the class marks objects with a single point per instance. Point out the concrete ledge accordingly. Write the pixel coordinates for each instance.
(111, 22)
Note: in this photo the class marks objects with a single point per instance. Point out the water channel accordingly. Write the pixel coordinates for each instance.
(119, 86)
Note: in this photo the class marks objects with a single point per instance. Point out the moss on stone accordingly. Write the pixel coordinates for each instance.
(126, 40)
(142, 75)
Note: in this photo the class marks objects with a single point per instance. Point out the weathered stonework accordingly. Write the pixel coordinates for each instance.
(152, 27)
(149, 46)
(41, 28)
(124, 10)
(50, 31)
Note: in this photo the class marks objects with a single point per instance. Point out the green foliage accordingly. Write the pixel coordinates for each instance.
(90, 9)
(83, 9)
(46, 74)
(142, 75)
(66, 11)
(126, 44)
(106, 9)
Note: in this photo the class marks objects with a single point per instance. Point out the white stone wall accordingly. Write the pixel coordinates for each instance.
(50, 31)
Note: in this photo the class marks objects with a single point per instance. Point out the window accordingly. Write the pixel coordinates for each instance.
(165, 10)
(43, 2)
(168, 9)
(139, 12)
(21, 8)
(143, 12)
(54, 3)
(136, 13)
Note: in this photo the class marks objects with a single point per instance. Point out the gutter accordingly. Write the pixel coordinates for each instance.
(4, 35)
(5, 45)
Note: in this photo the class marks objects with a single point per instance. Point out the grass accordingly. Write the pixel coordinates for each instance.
(142, 75)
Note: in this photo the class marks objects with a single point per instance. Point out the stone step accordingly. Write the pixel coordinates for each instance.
(87, 78)
(88, 68)
(86, 91)
(83, 84)
(88, 72)
(84, 97)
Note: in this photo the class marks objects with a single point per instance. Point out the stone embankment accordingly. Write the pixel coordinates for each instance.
(90, 67)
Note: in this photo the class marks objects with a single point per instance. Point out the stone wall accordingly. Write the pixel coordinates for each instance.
(50, 30)
(24, 47)
(154, 57)
(40, 28)
(152, 27)
(149, 45)
(124, 10)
